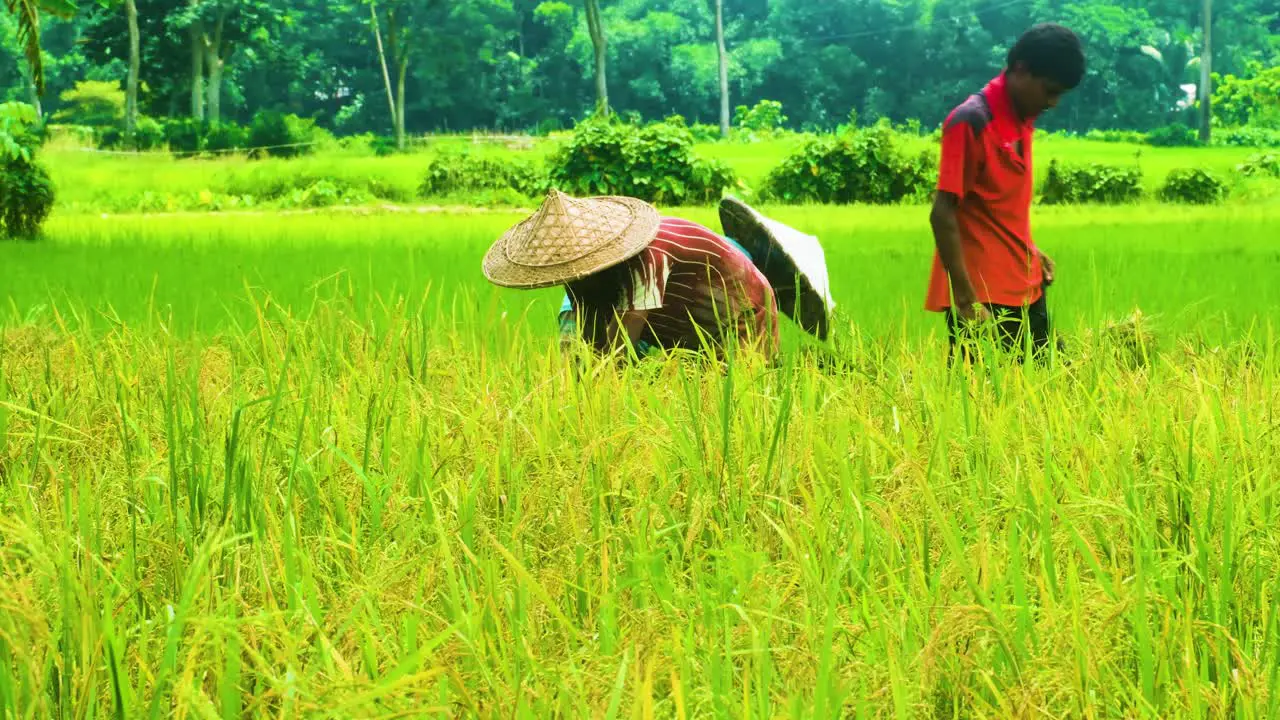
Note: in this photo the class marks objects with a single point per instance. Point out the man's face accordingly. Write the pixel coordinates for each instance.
(1033, 95)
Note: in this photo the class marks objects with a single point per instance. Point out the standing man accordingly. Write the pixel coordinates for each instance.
(987, 267)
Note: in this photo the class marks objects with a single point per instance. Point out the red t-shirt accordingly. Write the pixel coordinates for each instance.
(986, 162)
(695, 283)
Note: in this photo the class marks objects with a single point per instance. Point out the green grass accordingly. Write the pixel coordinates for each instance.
(315, 466)
(156, 182)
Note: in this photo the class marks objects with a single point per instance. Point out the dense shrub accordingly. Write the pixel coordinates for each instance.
(26, 191)
(1070, 184)
(655, 163)
(1175, 135)
(865, 166)
(92, 103)
(1117, 136)
(148, 134)
(464, 173)
(1264, 165)
(281, 135)
(223, 137)
(766, 116)
(1252, 137)
(1193, 186)
(184, 135)
(703, 133)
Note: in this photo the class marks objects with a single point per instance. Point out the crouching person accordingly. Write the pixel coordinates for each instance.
(637, 279)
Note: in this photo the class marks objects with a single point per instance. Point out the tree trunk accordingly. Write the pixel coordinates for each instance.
(724, 70)
(214, 89)
(400, 56)
(1206, 79)
(382, 59)
(596, 28)
(197, 73)
(216, 62)
(403, 70)
(35, 98)
(131, 86)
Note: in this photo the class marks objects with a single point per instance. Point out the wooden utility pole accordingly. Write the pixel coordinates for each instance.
(724, 70)
(1206, 77)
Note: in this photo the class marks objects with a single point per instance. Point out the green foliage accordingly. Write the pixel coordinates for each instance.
(1248, 101)
(451, 173)
(655, 163)
(26, 190)
(1262, 165)
(1073, 184)
(1193, 186)
(184, 135)
(282, 135)
(862, 166)
(1133, 137)
(224, 136)
(148, 134)
(1253, 137)
(766, 116)
(1174, 135)
(92, 103)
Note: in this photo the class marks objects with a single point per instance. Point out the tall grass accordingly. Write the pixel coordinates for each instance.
(385, 494)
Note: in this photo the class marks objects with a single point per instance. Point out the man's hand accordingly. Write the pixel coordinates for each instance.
(1047, 264)
(972, 312)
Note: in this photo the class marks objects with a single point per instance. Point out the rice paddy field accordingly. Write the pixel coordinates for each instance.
(315, 466)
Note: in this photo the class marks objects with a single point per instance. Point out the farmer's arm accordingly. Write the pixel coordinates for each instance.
(957, 172)
(624, 329)
(946, 235)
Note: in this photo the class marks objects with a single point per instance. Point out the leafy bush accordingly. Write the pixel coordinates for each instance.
(1117, 136)
(1251, 101)
(1175, 135)
(1252, 137)
(864, 166)
(224, 136)
(1071, 184)
(1263, 165)
(654, 163)
(26, 191)
(465, 173)
(281, 135)
(325, 193)
(185, 135)
(92, 103)
(703, 133)
(148, 134)
(281, 182)
(1193, 186)
(766, 116)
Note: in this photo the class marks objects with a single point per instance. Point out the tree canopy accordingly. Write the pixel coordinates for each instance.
(530, 64)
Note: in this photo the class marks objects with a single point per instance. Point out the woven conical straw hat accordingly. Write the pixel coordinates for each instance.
(793, 262)
(570, 238)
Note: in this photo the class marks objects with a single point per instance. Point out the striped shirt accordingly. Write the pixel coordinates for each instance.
(697, 286)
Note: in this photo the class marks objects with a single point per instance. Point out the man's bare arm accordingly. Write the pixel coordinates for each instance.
(946, 235)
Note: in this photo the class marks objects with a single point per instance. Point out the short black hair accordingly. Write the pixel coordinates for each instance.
(1050, 51)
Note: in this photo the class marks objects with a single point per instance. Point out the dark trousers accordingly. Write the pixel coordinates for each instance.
(1010, 330)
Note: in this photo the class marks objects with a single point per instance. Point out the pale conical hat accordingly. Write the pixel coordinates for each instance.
(570, 238)
(793, 262)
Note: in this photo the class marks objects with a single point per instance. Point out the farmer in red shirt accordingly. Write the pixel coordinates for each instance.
(638, 278)
(987, 266)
